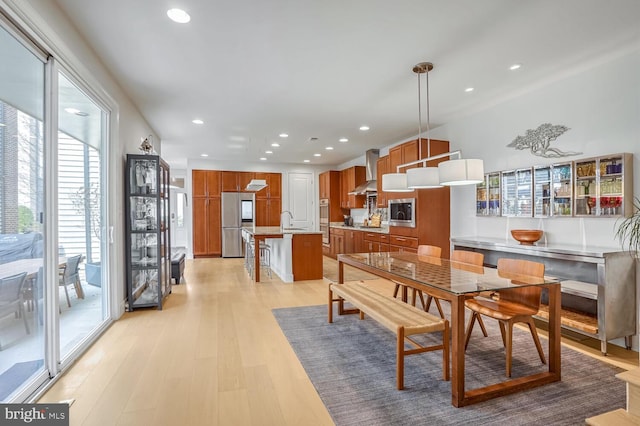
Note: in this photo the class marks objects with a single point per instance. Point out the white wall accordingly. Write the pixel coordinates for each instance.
(44, 20)
(601, 106)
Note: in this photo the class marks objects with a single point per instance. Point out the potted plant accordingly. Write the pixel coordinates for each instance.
(86, 201)
(629, 230)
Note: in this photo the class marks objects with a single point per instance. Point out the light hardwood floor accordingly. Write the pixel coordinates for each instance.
(214, 355)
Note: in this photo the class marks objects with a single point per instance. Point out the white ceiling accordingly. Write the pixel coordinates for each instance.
(322, 68)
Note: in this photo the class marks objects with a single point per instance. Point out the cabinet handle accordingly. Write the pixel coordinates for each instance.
(400, 239)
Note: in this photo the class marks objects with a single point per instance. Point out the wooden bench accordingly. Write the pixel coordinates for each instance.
(399, 317)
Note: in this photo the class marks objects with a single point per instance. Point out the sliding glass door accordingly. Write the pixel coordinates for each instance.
(22, 219)
(81, 134)
(53, 288)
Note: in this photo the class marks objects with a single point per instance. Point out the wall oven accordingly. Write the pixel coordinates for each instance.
(324, 220)
(402, 212)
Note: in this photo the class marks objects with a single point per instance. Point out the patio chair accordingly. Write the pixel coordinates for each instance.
(70, 274)
(11, 298)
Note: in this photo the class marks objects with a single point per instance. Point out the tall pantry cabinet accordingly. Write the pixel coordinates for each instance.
(206, 186)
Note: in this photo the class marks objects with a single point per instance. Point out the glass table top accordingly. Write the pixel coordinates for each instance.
(453, 277)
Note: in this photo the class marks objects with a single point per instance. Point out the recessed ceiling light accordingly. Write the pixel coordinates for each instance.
(263, 158)
(197, 121)
(306, 161)
(347, 140)
(204, 155)
(283, 135)
(2, 125)
(317, 155)
(178, 15)
(268, 152)
(329, 148)
(515, 67)
(275, 144)
(363, 128)
(469, 89)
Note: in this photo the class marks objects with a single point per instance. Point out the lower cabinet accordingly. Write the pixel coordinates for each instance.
(336, 237)
(403, 244)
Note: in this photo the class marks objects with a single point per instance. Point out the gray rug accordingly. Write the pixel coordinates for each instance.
(351, 363)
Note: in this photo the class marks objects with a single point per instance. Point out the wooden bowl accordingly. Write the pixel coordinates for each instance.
(526, 236)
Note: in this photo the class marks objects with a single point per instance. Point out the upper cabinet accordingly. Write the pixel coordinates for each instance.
(595, 187)
(603, 186)
(382, 167)
(517, 193)
(488, 195)
(552, 190)
(274, 185)
(205, 183)
(350, 178)
(236, 181)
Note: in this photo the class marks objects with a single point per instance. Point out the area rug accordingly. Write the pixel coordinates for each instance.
(16, 375)
(351, 363)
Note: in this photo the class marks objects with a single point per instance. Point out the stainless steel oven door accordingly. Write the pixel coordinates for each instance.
(324, 228)
(324, 211)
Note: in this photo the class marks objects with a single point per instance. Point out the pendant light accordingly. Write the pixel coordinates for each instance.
(448, 173)
(423, 177)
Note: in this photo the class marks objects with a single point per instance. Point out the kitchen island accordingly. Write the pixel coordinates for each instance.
(296, 254)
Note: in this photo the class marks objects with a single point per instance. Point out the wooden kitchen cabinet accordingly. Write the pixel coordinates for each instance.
(236, 181)
(207, 239)
(274, 185)
(382, 168)
(353, 241)
(205, 183)
(268, 211)
(350, 178)
(336, 238)
(403, 244)
(331, 189)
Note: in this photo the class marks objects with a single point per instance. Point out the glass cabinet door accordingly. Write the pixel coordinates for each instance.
(494, 193)
(586, 187)
(517, 193)
(562, 189)
(611, 186)
(481, 198)
(542, 191)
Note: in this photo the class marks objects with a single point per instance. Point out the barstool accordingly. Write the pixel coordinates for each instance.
(265, 256)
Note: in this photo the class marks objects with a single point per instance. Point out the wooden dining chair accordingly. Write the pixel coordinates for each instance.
(514, 305)
(460, 259)
(423, 250)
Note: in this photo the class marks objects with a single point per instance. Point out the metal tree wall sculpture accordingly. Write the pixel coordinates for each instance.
(539, 141)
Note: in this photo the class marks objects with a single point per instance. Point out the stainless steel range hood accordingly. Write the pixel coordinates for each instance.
(370, 185)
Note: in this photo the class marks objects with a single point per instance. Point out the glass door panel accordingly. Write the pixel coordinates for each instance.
(82, 292)
(22, 219)
(542, 191)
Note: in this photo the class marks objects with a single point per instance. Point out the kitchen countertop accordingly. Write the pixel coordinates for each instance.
(379, 230)
(276, 230)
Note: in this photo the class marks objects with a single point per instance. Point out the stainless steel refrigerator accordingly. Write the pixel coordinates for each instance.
(237, 212)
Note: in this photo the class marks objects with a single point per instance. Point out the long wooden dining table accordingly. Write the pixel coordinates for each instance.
(454, 281)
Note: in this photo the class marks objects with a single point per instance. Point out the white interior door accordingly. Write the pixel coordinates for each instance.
(301, 201)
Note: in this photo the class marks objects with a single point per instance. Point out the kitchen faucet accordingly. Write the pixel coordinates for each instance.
(283, 212)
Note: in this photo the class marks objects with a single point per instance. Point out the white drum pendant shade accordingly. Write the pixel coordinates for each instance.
(461, 172)
(395, 182)
(423, 178)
